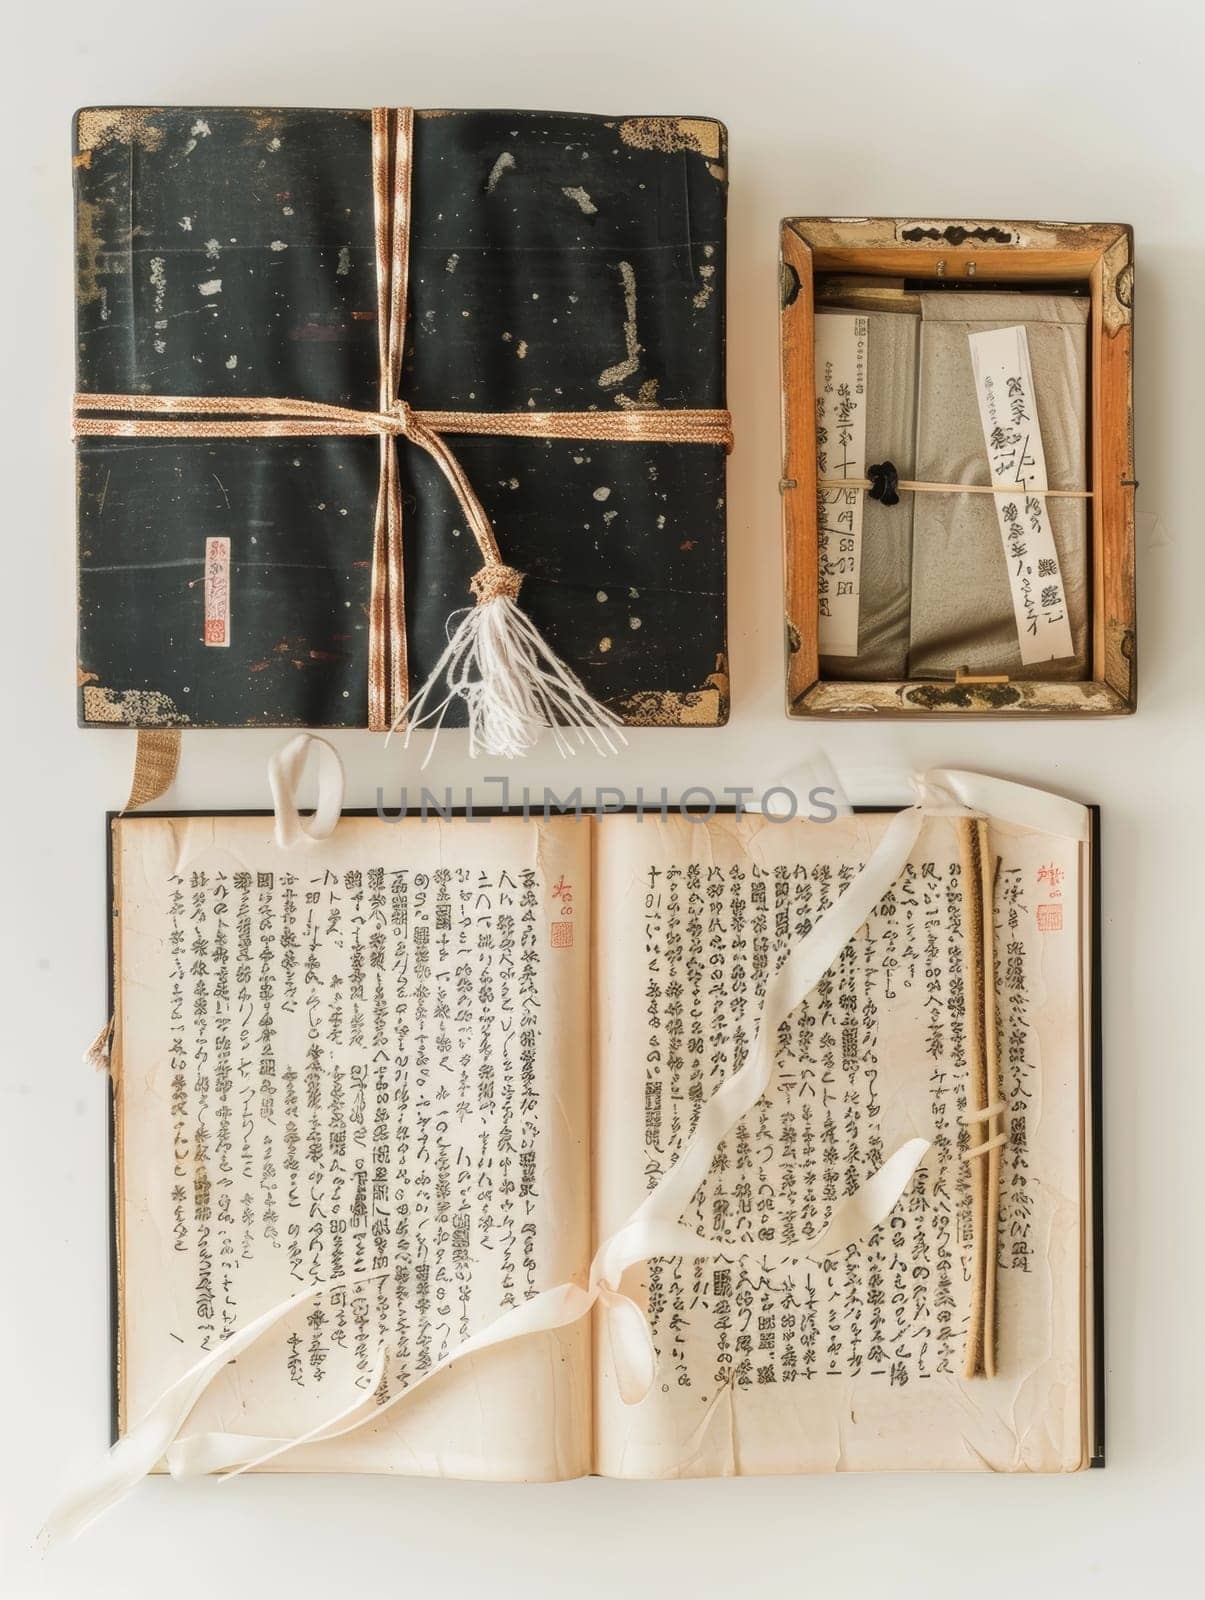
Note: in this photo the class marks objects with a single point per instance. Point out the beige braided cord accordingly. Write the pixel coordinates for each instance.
(156, 758)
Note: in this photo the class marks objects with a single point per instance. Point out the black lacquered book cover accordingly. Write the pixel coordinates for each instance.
(557, 263)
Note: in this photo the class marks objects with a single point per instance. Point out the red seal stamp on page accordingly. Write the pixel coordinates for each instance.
(1050, 918)
(217, 591)
(560, 930)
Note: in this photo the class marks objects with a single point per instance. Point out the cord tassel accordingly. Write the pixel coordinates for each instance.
(514, 687)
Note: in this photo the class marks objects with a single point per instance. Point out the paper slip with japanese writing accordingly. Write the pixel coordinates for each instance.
(841, 343)
(1008, 411)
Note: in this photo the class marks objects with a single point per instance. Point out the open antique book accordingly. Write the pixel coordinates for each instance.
(433, 1066)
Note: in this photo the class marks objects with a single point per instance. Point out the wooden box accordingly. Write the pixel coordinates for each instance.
(932, 254)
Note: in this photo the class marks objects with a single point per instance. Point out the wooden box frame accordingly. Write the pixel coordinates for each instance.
(1098, 254)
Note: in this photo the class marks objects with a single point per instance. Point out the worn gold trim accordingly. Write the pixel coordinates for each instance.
(706, 707)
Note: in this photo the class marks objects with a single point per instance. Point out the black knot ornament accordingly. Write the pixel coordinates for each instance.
(884, 483)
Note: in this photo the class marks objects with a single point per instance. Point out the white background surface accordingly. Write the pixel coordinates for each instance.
(1061, 110)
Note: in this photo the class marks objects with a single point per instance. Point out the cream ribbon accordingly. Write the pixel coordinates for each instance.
(284, 774)
(943, 791)
(653, 1229)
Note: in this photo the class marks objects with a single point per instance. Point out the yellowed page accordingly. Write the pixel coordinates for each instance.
(855, 1363)
(372, 1055)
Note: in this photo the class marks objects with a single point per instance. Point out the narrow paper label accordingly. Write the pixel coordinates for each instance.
(1009, 415)
(217, 591)
(840, 453)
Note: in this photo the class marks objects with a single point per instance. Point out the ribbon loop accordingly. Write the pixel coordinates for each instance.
(284, 774)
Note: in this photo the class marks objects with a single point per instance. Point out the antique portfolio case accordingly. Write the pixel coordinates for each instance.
(534, 317)
(958, 473)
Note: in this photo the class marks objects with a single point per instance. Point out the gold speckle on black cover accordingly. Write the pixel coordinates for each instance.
(122, 125)
(131, 708)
